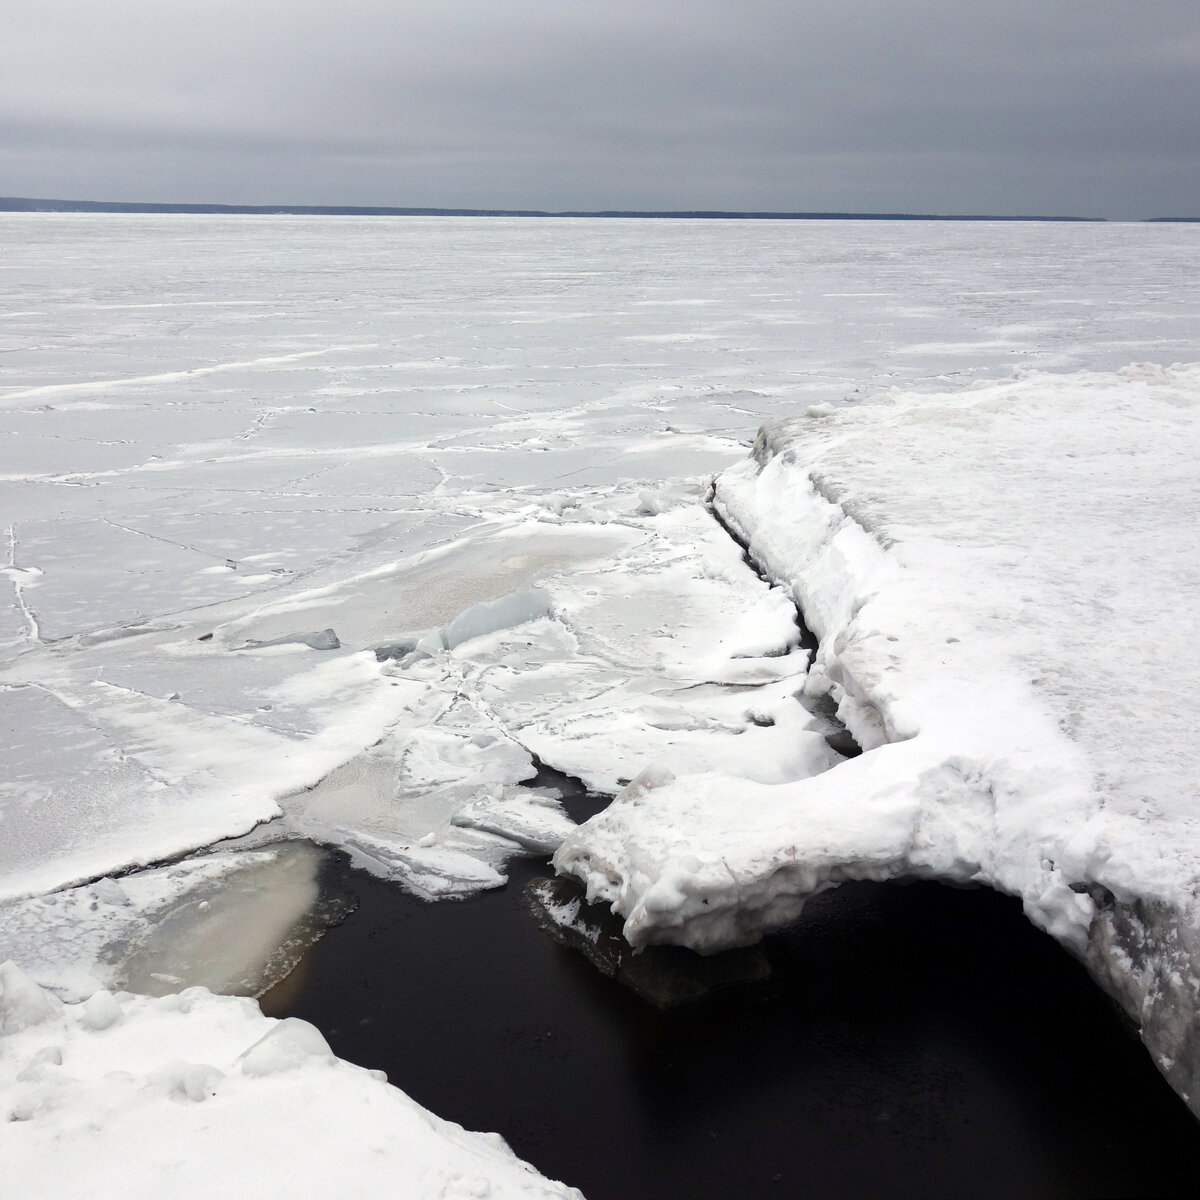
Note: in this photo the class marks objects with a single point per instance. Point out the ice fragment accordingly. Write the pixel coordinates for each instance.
(22, 1002)
(292, 1043)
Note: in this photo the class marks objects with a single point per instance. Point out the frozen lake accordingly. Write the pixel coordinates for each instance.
(207, 417)
(339, 528)
(312, 396)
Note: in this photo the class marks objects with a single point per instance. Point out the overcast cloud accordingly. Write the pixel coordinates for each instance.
(1027, 106)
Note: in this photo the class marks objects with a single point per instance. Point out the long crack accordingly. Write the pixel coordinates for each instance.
(837, 735)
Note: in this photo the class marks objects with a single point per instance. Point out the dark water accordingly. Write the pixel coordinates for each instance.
(915, 1041)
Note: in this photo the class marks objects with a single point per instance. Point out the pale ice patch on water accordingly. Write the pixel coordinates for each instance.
(233, 922)
(239, 938)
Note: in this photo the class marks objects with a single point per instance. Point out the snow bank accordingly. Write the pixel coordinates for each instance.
(1003, 583)
(201, 1095)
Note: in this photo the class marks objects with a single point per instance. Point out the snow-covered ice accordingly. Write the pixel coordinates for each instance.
(1003, 580)
(195, 1095)
(336, 529)
(226, 436)
(666, 645)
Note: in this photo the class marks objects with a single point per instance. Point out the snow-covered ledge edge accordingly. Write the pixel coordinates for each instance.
(967, 777)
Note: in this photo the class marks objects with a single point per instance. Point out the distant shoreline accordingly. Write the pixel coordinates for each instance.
(17, 204)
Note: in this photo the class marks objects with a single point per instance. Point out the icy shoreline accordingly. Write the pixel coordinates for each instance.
(1000, 592)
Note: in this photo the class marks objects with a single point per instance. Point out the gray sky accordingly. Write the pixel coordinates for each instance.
(1089, 107)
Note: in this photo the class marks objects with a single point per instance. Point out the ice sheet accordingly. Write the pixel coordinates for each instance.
(653, 639)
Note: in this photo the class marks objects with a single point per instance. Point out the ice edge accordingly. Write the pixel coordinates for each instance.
(853, 822)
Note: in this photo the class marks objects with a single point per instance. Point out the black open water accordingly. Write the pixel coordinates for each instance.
(916, 1040)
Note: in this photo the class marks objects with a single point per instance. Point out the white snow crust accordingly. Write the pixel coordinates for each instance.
(300, 461)
(1000, 580)
(195, 1095)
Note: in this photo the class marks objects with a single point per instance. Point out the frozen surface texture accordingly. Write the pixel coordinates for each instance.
(652, 641)
(1003, 582)
(243, 453)
(194, 1095)
(337, 528)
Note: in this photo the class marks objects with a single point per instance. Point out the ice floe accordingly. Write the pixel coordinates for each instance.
(232, 921)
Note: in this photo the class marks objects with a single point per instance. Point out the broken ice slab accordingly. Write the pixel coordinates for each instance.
(536, 823)
(431, 872)
(238, 936)
(491, 616)
(321, 639)
(665, 976)
(425, 593)
(396, 650)
(477, 620)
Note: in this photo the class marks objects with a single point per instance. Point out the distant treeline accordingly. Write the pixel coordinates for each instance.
(23, 204)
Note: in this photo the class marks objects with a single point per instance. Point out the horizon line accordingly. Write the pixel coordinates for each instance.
(38, 204)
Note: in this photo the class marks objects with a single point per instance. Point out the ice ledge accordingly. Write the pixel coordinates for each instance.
(1001, 602)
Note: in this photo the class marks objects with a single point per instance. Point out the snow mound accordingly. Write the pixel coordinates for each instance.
(22, 1002)
(196, 1095)
(291, 1044)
